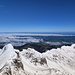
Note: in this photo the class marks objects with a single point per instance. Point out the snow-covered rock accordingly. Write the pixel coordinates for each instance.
(6, 54)
(60, 61)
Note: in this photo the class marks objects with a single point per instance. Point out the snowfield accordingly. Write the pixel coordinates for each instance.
(60, 61)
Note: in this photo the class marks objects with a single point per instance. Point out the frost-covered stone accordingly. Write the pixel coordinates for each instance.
(60, 61)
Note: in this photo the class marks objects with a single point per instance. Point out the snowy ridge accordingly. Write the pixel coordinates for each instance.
(6, 54)
(60, 61)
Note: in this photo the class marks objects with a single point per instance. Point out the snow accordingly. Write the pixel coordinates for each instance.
(5, 54)
(60, 61)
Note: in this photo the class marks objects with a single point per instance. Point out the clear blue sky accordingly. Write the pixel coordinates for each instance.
(37, 15)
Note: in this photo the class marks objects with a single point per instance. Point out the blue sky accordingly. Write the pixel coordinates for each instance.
(37, 15)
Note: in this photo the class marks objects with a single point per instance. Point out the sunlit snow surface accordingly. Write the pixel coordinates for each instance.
(60, 61)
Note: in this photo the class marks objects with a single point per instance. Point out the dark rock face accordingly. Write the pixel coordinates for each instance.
(40, 47)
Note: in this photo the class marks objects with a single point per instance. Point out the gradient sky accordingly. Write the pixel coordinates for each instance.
(37, 15)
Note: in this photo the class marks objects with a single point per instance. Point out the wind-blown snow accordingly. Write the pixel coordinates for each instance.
(60, 61)
(6, 54)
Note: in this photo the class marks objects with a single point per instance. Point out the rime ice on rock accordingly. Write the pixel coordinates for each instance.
(60, 61)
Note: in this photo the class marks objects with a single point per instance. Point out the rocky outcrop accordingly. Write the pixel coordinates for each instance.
(60, 61)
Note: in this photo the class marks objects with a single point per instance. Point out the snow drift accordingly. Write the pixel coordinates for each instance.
(60, 61)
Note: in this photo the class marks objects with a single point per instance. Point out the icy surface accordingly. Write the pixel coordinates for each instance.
(60, 61)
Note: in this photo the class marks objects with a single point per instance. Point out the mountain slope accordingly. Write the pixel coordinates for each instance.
(60, 61)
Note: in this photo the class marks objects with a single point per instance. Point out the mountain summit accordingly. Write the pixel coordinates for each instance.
(60, 61)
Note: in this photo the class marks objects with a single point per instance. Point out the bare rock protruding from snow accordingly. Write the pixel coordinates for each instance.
(60, 61)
